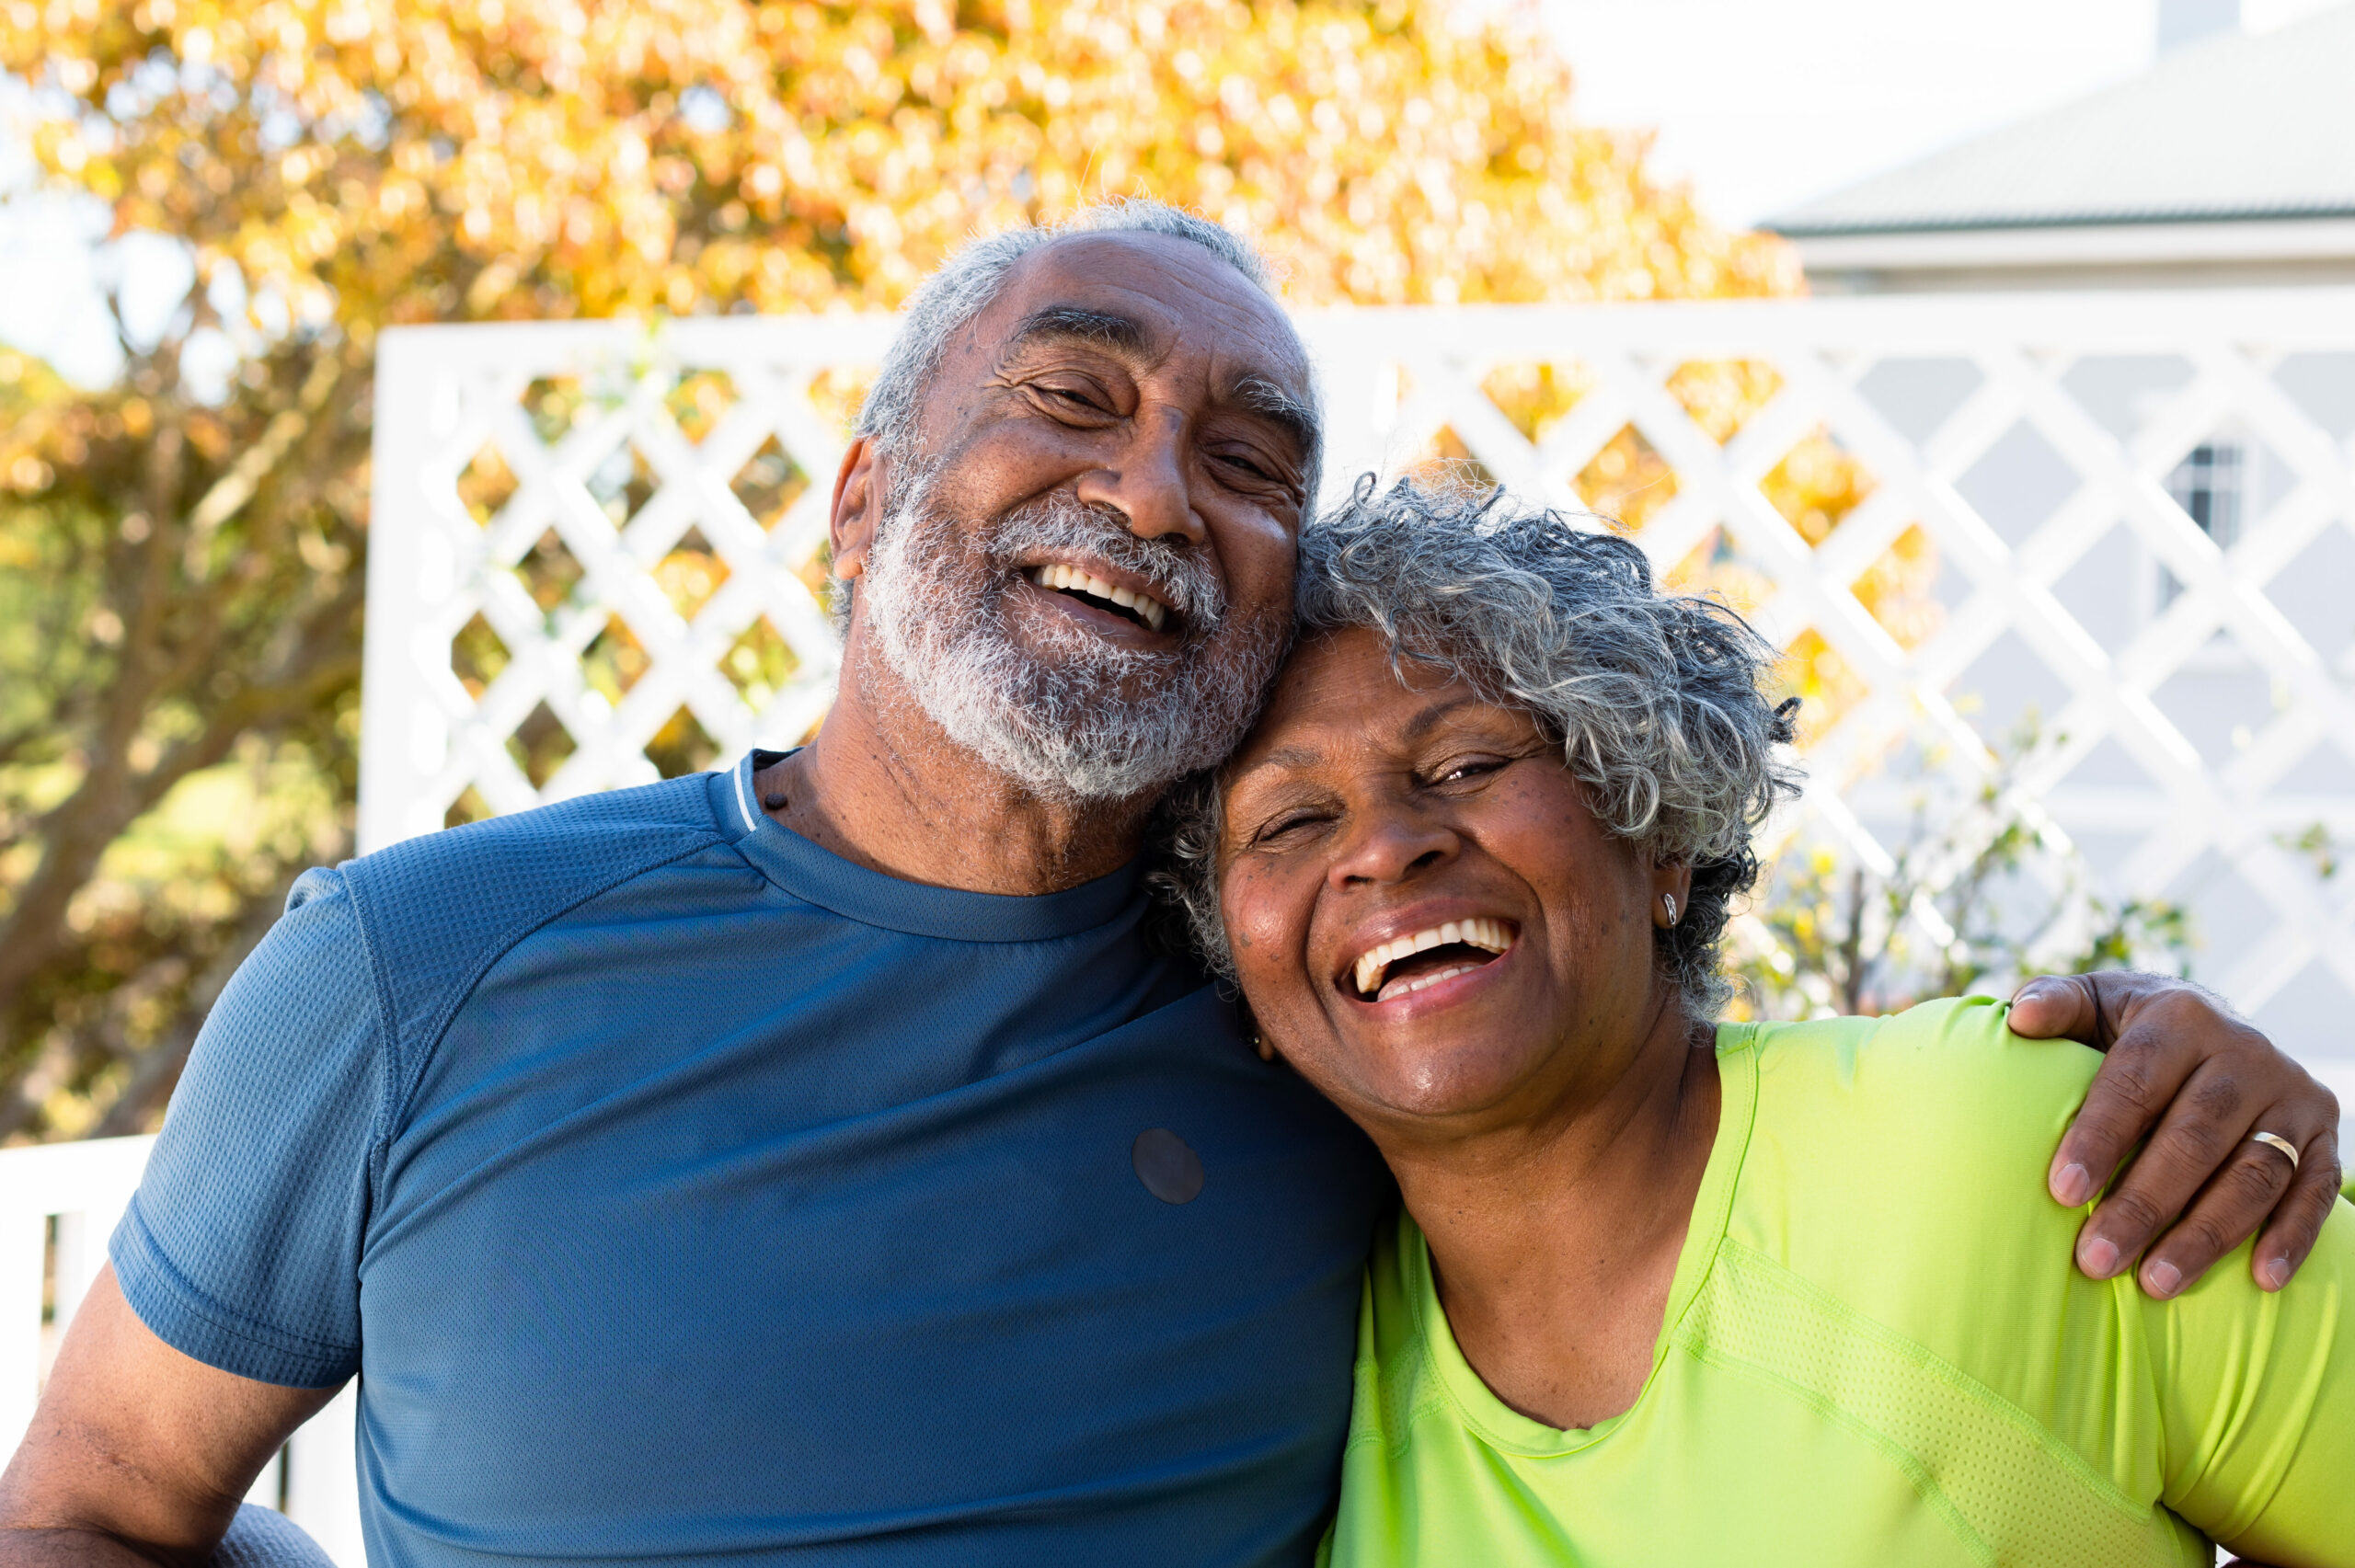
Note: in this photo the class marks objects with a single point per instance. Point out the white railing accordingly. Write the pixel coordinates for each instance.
(58, 1204)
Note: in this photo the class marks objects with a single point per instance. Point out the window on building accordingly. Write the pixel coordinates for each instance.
(2210, 483)
(2207, 483)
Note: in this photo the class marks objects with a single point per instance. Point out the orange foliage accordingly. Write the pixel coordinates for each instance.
(432, 159)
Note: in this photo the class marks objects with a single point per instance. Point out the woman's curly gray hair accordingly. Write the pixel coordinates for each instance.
(1654, 697)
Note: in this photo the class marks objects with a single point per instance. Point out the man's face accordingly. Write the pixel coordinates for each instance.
(1085, 573)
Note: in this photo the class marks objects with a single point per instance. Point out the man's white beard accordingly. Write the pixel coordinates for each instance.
(1078, 718)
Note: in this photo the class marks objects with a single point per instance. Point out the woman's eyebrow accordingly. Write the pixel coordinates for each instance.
(1283, 758)
(1430, 717)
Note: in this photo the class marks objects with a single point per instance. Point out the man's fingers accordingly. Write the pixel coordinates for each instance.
(2053, 1007)
(2229, 1209)
(2201, 1125)
(2139, 1077)
(2297, 1221)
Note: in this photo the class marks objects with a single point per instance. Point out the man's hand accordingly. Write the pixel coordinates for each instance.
(2178, 1062)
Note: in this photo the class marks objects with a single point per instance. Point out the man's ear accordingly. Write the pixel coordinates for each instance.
(858, 507)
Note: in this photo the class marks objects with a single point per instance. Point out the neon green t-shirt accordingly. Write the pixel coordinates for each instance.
(1878, 1351)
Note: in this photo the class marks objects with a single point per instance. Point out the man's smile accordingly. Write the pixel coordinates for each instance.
(1111, 591)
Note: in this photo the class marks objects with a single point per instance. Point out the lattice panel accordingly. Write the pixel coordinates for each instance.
(2102, 596)
(600, 557)
(567, 603)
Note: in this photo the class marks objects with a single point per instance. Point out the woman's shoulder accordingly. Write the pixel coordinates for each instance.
(1938, 1086)
(1928, 1132)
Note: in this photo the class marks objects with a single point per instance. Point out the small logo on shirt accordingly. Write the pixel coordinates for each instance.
(1170, 1171)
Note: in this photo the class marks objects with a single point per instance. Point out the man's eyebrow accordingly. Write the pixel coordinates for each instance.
(1069, 324)
(1267, 398)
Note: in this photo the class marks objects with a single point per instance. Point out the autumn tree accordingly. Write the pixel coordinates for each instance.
(182, 550)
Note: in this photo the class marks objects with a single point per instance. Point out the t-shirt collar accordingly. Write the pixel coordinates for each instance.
(822, 877)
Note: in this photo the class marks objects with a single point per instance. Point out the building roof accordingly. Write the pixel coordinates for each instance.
(2234, 127)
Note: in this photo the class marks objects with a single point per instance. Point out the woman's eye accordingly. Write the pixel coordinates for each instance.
(1460, 773)
(1279, 827)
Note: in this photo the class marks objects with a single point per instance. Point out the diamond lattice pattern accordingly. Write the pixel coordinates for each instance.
(2133, 518)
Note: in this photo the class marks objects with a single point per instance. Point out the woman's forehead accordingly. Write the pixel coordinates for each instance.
(1344, 692)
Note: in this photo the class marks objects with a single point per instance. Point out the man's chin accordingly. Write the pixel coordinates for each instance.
(1085, 662)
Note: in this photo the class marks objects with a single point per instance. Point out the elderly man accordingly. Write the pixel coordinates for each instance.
(815, 1161)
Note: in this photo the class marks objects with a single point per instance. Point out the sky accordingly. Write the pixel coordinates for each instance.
(1758, 104)
(1764, 104)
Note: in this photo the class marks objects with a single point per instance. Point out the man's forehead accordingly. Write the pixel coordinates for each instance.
(1184, 300)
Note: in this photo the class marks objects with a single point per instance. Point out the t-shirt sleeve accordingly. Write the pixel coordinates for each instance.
(242, 1246)
(2258, 1395)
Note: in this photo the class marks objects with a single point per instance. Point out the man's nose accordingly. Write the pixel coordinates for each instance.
(1390, 844)
(1148, 486)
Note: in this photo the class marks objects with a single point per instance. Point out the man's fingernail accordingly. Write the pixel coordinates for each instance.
(2099, 1257)
(2031, 990)
(2072, 1185)
(2273, 1273)
(2162, 1278)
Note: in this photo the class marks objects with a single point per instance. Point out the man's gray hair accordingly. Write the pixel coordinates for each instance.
(966, 283)
(1655, 698)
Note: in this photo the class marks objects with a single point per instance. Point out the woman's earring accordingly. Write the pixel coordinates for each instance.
(1266, 1052)
(1670, 900)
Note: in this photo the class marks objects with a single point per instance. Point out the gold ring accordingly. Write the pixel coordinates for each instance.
(2278, 1141)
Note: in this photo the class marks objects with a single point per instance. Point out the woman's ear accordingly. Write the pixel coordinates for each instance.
(1253, 1032)
(1672, 893)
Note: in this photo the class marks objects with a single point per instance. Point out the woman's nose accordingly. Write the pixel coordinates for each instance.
(1391, 846)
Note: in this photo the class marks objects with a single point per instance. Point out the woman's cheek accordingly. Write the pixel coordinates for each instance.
(1256, 919)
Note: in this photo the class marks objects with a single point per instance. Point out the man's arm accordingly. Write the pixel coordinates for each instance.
(2183, 1071)
(138, 1455)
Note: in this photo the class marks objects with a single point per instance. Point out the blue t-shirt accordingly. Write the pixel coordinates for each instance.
(678, 1189)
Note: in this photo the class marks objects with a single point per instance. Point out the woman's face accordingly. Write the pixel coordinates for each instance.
(1425, 917)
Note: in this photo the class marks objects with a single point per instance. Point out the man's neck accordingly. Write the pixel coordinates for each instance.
(884, 786)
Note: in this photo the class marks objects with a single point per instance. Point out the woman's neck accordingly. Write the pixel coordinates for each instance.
(1555, 1240)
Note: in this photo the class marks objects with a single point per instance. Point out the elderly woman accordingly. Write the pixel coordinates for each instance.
(1665, 1290)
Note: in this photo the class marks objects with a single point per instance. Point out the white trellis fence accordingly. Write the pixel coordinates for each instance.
(593, 550)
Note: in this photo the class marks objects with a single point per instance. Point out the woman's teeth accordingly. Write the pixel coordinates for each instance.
(1489, 935)
(1149, 609)
(1409, 987)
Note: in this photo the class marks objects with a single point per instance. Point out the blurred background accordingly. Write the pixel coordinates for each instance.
(216, 215)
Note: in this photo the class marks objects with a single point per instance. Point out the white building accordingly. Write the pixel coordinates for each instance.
(2230, 164)
(2226, 170)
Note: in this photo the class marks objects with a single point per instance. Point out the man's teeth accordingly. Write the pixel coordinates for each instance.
(1151, 610)
(1486, 933)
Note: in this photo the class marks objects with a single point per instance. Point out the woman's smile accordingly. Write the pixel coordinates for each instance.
(1400, 966)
